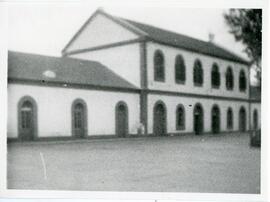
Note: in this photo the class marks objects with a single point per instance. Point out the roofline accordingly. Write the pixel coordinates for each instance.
(61, 84)
(120, 89)
(115, 19)
(107, 46)
(124, 23)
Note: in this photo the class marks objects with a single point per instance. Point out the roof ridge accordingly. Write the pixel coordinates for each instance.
(55, 57)
(164, 29)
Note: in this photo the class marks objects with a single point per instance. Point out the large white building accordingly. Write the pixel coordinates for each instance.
(118, 78)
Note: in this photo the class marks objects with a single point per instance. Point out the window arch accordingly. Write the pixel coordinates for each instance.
(255, 119)
(180, 117)
(229, 118)
(198, 73)
(242, 81)
(215, 76)
(121, 119)
(79, 118)
(160, 119)
(229, 78)
(159, 67)
(27, 118)
(180, 69)
(198, 119)
(242, 119)
(215, 116)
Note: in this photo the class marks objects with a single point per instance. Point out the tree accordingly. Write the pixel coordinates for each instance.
(246, 26)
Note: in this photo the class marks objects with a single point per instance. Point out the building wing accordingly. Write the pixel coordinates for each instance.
(63, 70)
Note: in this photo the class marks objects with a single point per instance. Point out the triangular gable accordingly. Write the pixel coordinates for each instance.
(102, 29)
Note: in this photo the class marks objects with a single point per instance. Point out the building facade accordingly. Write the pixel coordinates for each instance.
(157, 83)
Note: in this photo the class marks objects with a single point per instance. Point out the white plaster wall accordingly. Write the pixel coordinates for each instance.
(123, 60)
(207, 61)
(54, 109)
(101, 31)
(256, 106)
(171, 103)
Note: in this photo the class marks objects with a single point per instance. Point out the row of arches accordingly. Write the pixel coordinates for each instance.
(160, 118)
(28, 118)
(198, 74)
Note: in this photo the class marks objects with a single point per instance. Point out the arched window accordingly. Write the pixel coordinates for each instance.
(180, 69)
(180, 117)
(242, 81)
(198, 73)
(255, 119)
(159, 68)
(215, 76)
(229, 118)
(229, 79)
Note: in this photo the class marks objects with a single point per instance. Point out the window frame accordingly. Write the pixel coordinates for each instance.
(159, 67)
(229, 79)
(198, 73)
(215, 76)
(179, 67)
(242, 75)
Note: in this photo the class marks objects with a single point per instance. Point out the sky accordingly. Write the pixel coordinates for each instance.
(45, 28)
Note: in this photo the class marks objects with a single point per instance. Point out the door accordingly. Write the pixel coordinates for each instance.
(159, 120)
(242, 120)
(121, 120)
(255, 119)
(198, 120)
(79, 120)
(215, 120)
(27, 122)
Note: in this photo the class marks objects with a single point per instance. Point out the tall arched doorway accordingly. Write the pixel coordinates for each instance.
(198, 119)
(215, 120)
(242, 119)
(27, 118)
(160, 125)
(121, 119)
(79, 118)
(255, 119)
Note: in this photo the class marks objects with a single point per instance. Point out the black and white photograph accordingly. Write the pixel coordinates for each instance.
(134, 98)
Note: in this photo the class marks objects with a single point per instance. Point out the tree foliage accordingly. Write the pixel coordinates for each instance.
(246, 26)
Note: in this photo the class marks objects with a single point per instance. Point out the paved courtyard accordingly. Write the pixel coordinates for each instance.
(223, 163)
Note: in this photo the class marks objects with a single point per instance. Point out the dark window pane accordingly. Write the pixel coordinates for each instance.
(159, 71)
(180, 69)
(197, 73)
(242, 81)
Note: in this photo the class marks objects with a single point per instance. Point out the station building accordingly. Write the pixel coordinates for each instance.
(117, 77)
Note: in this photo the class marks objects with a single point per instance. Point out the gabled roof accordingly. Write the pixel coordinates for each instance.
(48, 69)
(186, 42)
(255, 93)
(166, 37)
